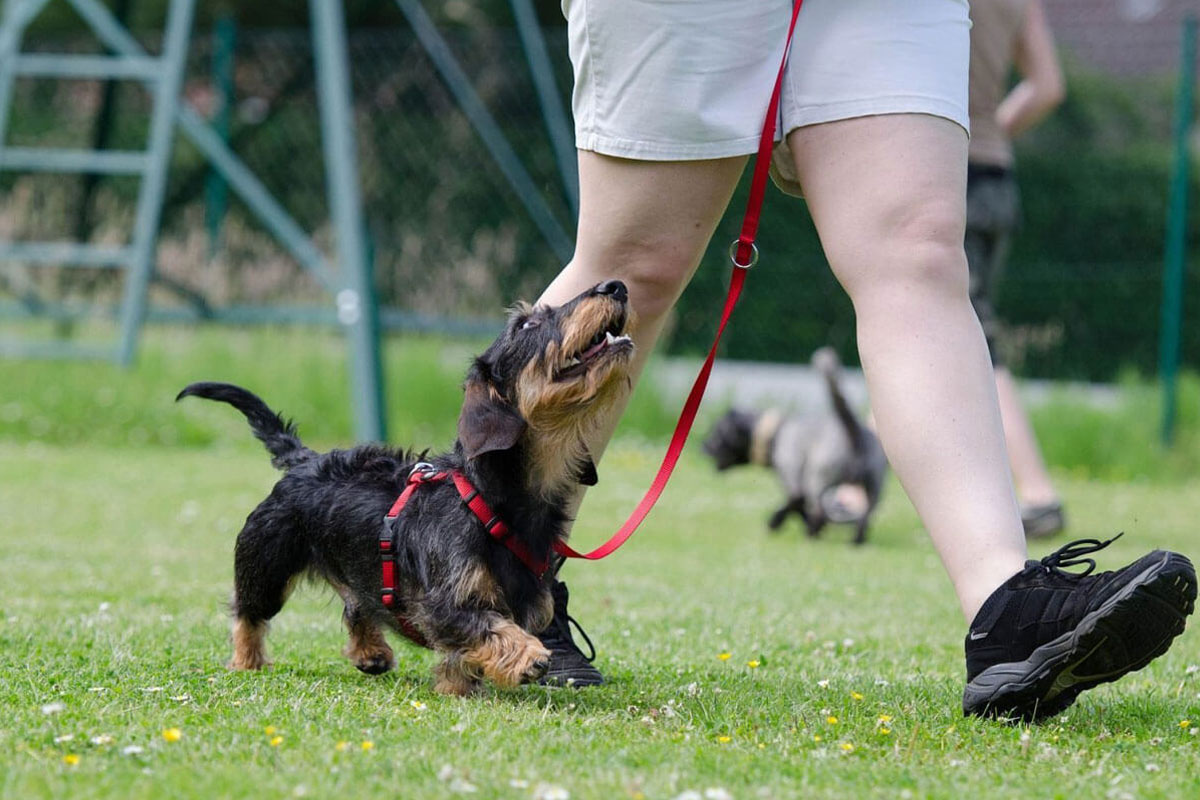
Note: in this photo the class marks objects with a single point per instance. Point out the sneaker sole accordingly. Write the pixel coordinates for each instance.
(1128, 631)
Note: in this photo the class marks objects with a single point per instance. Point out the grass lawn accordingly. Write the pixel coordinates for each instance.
(741, 665)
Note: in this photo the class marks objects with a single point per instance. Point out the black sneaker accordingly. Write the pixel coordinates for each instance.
(1043, 521)
(568, 665)
(1046, 635)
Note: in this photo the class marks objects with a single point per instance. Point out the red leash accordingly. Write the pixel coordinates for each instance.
(743, 254)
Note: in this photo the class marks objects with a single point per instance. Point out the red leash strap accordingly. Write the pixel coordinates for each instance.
(743, 254)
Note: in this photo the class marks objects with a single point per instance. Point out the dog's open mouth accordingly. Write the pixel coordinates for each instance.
(608, 340)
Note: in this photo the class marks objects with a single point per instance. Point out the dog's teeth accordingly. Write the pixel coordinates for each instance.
(608, 337)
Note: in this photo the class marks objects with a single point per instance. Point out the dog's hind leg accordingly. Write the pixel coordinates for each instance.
(268, 559)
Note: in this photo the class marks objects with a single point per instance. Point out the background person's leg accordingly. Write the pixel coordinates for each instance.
(887, 194)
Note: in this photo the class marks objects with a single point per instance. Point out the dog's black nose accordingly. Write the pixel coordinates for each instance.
(615, 288)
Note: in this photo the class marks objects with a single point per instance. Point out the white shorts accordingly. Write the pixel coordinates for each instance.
(681, 80)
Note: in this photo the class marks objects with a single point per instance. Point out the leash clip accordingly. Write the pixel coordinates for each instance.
(421, 471)
(733, 248)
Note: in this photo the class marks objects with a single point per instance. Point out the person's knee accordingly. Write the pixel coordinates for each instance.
(917, 248)
(654, 268)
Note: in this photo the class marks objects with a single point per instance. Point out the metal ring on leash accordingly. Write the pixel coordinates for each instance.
(733, 248)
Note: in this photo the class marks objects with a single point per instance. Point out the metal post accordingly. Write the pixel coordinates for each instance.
(356, 302)
(489, 132)
(1175, 250)
(216, 192)
(561, 137)
(154, 181)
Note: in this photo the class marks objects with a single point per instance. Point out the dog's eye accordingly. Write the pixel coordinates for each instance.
(530, 323)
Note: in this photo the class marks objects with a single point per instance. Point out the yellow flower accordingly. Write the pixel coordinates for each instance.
(269, 730)
(724, 739)
(849, 748)
(762, 746)
(367, 745)
(70, 759)
(885, 718)
(885, 731)
(341, 746)
(1185, 723)
(724, 656)
(816, 737)
(855, 696)
(276, 741)
(752, 664)
(832, 720)
(172, 734)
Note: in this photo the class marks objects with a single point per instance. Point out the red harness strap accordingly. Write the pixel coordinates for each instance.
(743, 254)
(424, 474)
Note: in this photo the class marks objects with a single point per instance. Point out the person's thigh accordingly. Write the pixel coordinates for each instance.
(645, 222)
(888, 195)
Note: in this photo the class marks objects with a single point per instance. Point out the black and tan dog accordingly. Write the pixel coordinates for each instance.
(531, 400)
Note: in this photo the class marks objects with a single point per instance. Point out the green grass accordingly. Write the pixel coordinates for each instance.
(117, 565)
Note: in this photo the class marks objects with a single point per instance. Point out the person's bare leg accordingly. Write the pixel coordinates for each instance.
(1034, 485)
(647, 223)
(887, 194)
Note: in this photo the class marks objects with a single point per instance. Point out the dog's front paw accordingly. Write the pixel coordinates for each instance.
(537, 668)
(371, 660)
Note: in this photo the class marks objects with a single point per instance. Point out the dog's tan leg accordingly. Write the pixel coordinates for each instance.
(508, 656)
(249, 647)
(367, 649)
(451, 676)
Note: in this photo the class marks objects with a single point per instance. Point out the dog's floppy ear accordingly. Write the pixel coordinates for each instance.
(587, 471)
(486, 422)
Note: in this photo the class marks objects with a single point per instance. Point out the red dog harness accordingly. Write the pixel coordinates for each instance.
(421, 475)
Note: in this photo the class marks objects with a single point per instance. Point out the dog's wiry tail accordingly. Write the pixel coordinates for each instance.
(826, 362)
(279, 435)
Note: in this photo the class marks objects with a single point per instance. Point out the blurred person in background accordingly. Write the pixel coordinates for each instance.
(1004, 34)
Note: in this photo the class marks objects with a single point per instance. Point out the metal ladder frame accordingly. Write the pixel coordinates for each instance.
(163, 78)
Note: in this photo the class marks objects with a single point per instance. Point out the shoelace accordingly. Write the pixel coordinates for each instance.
(563, 629)
(1071, 555)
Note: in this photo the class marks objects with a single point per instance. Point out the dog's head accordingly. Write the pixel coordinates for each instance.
(729, 441)
(548, 379)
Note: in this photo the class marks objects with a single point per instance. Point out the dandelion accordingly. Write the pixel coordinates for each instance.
(816, 737)
(367, 745)
(831, 719)
(753, 664)
(270, 730)
(172, 734)
(724, 739)
(417, 704)
(885, 719)
(762, 746)
(1185, 723)
(276, 741)
(70, 759)
(724, 656)
(847, 747)
(341, 746)
(856, 696)
(884, 731)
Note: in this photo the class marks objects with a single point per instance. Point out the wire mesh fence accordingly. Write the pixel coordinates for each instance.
(452, 242)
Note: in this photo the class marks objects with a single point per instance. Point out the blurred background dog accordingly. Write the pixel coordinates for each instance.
(820, 458)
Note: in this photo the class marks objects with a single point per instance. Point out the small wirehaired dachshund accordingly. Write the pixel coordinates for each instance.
(531, 401)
